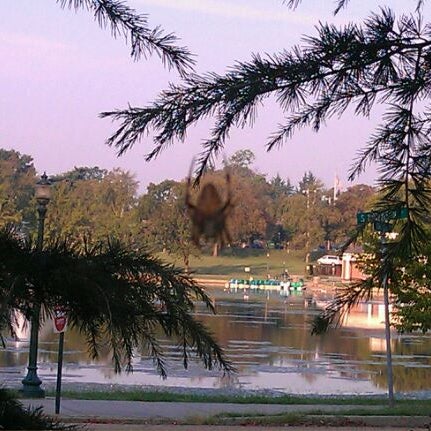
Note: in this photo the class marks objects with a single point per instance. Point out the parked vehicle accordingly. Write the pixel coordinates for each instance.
(329, 259)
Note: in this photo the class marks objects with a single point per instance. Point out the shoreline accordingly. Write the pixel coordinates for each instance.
(314, 286)
(241, 389)
(229, 393)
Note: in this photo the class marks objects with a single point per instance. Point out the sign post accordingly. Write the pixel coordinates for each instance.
(60, 326)
(381, 223)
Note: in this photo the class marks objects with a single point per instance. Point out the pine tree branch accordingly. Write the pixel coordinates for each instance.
(340, 4)
(332, 71)
(116, 297)
(399, 147)
(123, 20)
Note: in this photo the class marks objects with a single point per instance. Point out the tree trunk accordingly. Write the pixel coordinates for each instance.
(215, 249)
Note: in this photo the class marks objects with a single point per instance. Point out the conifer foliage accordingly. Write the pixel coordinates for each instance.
(385, 62)
(122, 20)
(116, 297)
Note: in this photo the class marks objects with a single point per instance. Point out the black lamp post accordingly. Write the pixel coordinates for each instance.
(31, 383)
(267, 264)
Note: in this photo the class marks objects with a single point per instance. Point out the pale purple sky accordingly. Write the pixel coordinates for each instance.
(59, 70)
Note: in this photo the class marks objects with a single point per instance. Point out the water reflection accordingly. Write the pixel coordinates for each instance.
(268, 339)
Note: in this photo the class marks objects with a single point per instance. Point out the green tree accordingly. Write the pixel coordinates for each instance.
(118, 193)
(385, 61)
(81, 173)
(250, 214)
(301, 215)
(113, 294)
(278, 191)
(412, 284)
(277, 234)
(168, 226)
(337, 215)
(156, 195)
(280, 188)
(242, 159)
(309, 183)
(95, 204)
(305, 214)
(292, 218)
(356, 198)
(17, 179)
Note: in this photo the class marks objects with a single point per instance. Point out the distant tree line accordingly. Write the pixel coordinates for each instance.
(92, 203)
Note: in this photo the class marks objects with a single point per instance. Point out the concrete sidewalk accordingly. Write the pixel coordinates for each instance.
(140, 410)
(132, 415)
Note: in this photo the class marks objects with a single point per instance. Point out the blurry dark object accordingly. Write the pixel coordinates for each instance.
(209, 213)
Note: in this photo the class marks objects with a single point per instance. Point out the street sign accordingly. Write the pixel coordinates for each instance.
(60, 326)
(362, 218)
(395, 214)
(382, 216)
(381, 226)
(60, 320)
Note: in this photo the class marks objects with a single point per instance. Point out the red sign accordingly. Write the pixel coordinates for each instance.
(60, 320)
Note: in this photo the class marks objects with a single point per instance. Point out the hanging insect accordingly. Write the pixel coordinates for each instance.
(209, 213)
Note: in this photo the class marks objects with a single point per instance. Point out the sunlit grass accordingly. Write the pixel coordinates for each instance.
(335, 417)
(404, 408)
(232, 263)
(378, 404)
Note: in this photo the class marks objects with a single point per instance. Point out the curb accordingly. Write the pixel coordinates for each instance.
(306, 420)
(378, 421)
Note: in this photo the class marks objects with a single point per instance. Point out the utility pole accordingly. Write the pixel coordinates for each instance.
(381, 223)
(307, 243)
(308, 217)
(384, 285)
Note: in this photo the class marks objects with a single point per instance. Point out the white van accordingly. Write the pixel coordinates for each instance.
(329, 259)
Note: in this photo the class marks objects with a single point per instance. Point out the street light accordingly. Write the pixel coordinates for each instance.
(267, 264)
(31, 383)
(307, 234)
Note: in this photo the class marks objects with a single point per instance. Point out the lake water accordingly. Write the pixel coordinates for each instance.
(268, 339)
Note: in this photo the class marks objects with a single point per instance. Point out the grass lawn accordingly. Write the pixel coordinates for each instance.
(336, 418)
(231, 263)
(358, 410)
(402, 407)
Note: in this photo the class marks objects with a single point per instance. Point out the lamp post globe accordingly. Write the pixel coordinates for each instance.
(31, 382)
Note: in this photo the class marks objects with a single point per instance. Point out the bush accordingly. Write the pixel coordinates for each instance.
(14, 416)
